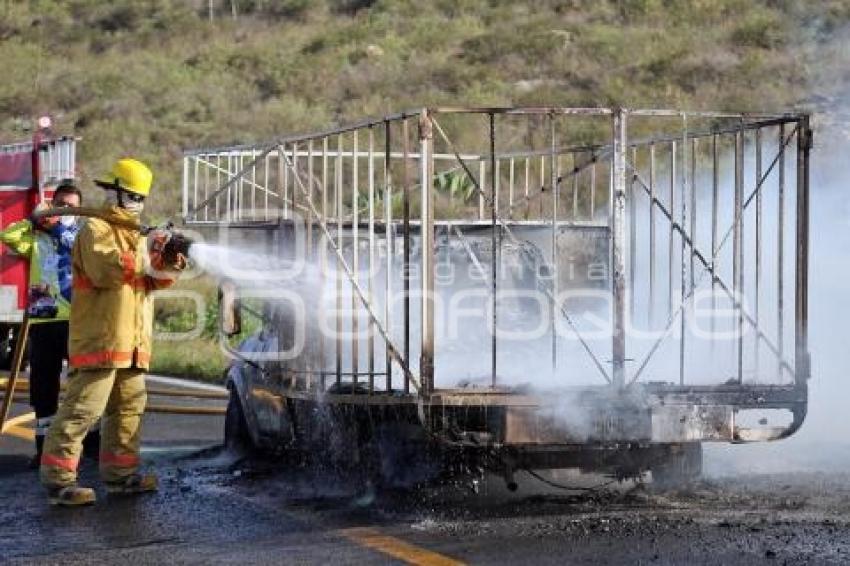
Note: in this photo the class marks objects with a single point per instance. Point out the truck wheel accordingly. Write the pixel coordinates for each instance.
(236, 434)
(681, 466)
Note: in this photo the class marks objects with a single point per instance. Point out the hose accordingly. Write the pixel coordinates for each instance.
(91, 212)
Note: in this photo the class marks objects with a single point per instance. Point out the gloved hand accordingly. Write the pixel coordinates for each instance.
(44, 222)
(166, 249)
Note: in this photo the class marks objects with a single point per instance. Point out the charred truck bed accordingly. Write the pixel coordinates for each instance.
(516, 288)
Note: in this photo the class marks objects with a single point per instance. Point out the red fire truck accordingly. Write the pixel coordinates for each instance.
(29, 172)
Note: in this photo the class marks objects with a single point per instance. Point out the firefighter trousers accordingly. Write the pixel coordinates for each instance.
(117, 394)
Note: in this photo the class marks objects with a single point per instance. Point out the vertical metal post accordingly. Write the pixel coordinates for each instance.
(738, 250)
(405, 270)
(355, 259)
(217, 184)
(324, 205)
(371, 271)
(801, 308)
(575, 188)
(715, 189)
(230, 204)
(652, 199)
(632, 198)
(253, 184)
(426, 363)
(542, 181)
(780, 257)
(527, 181)
(185, 187)
(285, 171)
(511, 188)
(593, 190)
(683, 248)
(494, 245)
(553, 270)
(389, 235)
(672, 227)
(693, 228)
(337, 270)
(266, 189)
(618, 241)
(482, 169)
(757, 280)
(195, 181)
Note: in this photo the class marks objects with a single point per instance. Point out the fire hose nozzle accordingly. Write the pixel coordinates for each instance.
(169, 243)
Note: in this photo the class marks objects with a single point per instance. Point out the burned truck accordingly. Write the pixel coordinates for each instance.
(514, 289)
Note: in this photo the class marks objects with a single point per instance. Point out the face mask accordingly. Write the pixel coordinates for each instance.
(113, 198)
(132, 206)
(68, 221)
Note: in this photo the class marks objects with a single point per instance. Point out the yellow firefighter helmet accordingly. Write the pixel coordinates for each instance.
(128, 174)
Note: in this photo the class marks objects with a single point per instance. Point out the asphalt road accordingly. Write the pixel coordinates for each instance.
(219, 507)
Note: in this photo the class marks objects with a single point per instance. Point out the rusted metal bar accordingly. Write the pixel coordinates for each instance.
(371, 272)
(494, 244)
(526, 187)
(389, 235)
(339, 229)
(254, 184)
(694, 154)
(323, 202)
(618, 237)
(593, 190)
(670, 243)
(481, 173)
(757, 278)
(780, 254)
(683, 256)
(632, 207)
(355, 259)
(405, 270)
(738, 250)
(715, 188)
(511, 188)
(426, 143)
(652, 201)
(553, 271)
(801, 308)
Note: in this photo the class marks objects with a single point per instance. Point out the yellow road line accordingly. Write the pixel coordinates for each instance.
(19, 420)
(13, 427)
(20, 432)
(397, 548)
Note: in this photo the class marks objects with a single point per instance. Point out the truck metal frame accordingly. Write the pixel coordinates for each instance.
(654, 195)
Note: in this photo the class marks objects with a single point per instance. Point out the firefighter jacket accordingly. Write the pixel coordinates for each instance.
(50, 274)
(112, 306)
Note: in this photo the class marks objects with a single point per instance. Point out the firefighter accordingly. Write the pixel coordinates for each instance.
(111, 322)
(47, 243)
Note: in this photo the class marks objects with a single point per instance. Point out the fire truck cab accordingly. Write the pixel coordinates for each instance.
(29, 172)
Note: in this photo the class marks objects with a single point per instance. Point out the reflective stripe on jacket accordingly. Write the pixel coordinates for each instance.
(112, 306)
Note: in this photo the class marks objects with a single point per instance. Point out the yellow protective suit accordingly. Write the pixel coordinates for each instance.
(110, 347)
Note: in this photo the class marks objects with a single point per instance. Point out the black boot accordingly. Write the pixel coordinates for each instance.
(35, 461)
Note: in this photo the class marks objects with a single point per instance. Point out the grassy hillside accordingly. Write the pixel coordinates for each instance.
(149, 77)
